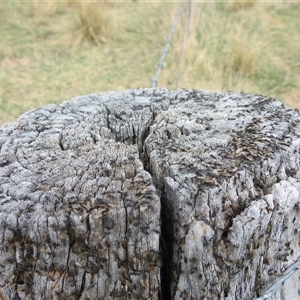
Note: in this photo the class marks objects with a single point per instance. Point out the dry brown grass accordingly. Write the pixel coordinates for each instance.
(216, 52)
(236, 6)
(91, 22)
(39, 11)
(52, 51)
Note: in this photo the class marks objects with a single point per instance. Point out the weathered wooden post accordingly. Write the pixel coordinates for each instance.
(150, 194)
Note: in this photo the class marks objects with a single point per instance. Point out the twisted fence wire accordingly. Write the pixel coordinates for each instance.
(166, 49)
(278, 283)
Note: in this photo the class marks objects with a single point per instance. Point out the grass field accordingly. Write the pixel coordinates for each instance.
(52, 51)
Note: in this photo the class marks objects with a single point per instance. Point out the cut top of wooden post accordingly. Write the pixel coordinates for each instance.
(148, 194)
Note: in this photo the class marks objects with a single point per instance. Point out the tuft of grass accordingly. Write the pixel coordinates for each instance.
(242, 59)
(91, 22)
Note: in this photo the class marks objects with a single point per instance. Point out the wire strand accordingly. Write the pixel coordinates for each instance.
(279, 282)
(166, 49)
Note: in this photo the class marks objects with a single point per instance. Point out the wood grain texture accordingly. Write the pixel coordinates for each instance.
(150, 194)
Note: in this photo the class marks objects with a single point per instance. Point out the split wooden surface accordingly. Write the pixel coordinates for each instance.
(150, 194)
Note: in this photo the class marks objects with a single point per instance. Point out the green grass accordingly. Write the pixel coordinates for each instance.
(51, 51)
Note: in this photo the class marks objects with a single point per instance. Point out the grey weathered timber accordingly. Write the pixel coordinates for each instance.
(150, 194)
